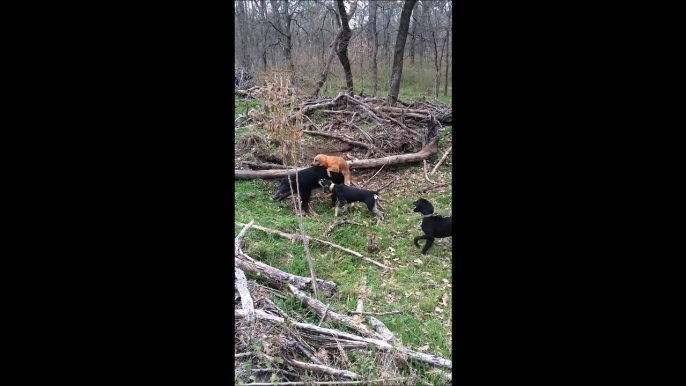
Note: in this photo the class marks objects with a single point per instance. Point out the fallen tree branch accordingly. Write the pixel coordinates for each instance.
(381, 344)
(277, 278)
(241, 284)
(239, 237)
(321, 369)
(427, 151)
(424, 190)
(441, 161)
(426, 175)
(376, 313)
(370, 178)
(320, 309)
(337, 223)
(299, 238)
(381, 328)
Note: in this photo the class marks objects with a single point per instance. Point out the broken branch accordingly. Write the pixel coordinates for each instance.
(299, 238)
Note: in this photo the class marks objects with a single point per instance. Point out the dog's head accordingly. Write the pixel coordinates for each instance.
(327, 185)
(423, 206)
(319, 160)
(283, 190)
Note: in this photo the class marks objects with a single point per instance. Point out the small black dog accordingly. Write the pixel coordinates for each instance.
(308, 179)
(347, 195)
(433, 225)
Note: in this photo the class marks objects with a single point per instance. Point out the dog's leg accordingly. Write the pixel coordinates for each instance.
(377, 212)
(417, 239)
(336, 211)
(429, 243)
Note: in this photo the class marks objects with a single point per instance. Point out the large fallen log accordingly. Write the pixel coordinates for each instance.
(427, 151)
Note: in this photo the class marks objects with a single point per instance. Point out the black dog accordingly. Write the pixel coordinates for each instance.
(346, 195)
(308, 180)
(433, 225)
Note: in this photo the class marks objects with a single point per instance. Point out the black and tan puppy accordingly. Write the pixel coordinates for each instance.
(347, 195)
(333, 164)
(433, 225)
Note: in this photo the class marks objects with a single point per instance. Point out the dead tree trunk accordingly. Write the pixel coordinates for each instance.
(427, 151)
(332, 53)
(397, 68)
(342, 50)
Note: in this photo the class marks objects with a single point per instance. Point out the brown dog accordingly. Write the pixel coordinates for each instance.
(333, 164)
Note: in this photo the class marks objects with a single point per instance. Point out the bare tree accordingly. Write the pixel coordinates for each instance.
(447, 45)
(413, 34)
(285, 32)
(397, 68)
(375, 49)
(342, 50)
(334, 46)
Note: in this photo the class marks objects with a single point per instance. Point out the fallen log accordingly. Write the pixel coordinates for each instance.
(427, 151)
(278, 278)
(381, 344)
(263, 165)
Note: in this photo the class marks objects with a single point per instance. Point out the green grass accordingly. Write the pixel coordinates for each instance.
(240, 105)
(403, 289)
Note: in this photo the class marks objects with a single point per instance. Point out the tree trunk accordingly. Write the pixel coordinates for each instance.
(447, 50)
(397, 68)
(285, 32)
(413, 39)
(265, 33)
(342, 50)
(427, 151)
(376, 46)
(332, 53)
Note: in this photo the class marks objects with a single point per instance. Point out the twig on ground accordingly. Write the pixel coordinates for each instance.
(337, 223)
(441, 161)
(424, 190)
(307, 352)
(321, 369)
(376, 313)
(370, 178)
(298, 237)
(425, 174)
